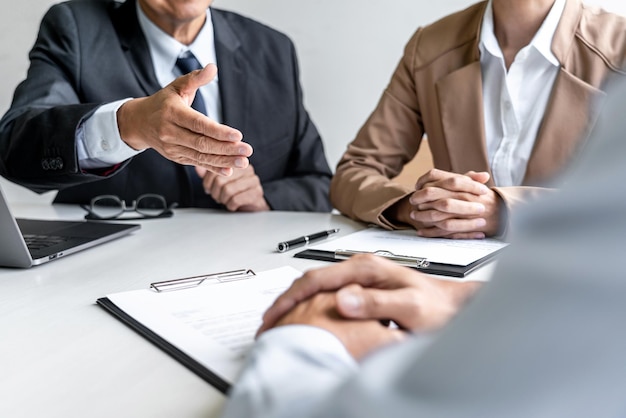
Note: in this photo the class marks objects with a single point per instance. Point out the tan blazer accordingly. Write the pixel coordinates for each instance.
(437, 90)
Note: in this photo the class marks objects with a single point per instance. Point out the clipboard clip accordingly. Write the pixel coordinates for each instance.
(189, 282)
(404, 260)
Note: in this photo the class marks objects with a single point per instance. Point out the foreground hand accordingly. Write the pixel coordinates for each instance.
(452, 205)
(242, 191)
(166, 122)
(376, 288)
(359, 337)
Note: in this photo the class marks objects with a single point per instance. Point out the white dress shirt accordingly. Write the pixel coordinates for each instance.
(545, 338)
(98, 139)
(514, 102)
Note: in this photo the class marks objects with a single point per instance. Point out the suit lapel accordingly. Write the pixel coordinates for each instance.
(570, 112)
(567, 120)
(232, 72)
(135, 46)
(461, 105)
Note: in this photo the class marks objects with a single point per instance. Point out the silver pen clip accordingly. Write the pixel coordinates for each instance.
(404, 260)
(188, 282)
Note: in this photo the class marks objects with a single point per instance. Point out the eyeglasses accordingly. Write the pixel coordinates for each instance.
(112, 207)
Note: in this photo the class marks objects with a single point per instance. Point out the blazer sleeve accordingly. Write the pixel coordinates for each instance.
(37, 134)
(363, 187)
(513, 198)
(305, 184)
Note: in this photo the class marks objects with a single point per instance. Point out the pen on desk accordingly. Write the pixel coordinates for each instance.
(297, 242)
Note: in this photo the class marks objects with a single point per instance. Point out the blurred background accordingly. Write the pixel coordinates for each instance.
(347, 51)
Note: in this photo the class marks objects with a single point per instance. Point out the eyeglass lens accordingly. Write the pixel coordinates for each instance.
(151, 205)
(108, 207)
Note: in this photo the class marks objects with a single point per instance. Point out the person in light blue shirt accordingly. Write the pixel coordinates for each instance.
(544, 338)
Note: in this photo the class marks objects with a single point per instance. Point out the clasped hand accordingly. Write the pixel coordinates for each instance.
(240, 192)
(166, 122)
(452, 205)
(350, 299)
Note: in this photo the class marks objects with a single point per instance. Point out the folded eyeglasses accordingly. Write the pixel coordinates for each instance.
(146, 206)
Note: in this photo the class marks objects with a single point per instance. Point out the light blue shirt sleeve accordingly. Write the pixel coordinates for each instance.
(544, 338)
(291, 368)
(98, 140)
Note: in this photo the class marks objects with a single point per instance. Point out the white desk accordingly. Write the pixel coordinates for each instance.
(63, 356)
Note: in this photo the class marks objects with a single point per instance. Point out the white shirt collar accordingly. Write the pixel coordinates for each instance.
(165, 50)
(542, 41)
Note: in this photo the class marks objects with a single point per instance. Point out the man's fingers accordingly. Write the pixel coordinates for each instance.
(186, 147)
(200, 125)
(201, 171)
(213, 183)
(211, 162)
(223, 193)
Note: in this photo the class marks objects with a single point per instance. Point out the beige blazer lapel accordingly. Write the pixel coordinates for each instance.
(570, 113)
(572, 109)
(460, 99)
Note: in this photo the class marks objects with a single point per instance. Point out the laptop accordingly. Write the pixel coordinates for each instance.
(30, 242)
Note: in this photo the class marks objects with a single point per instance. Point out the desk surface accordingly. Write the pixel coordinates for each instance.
(63, 356)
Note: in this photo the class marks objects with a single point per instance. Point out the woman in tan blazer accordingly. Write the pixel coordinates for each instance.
(504, 92)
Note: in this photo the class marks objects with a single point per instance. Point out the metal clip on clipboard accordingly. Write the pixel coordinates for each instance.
(189, 282)
(404, 260)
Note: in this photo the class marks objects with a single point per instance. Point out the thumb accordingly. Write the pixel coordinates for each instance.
(188, 84)
(350, 302)
(398, 305)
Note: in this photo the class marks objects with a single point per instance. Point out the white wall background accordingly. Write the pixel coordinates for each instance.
(347, 50)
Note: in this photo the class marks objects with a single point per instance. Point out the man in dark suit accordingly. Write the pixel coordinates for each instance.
(107, 108)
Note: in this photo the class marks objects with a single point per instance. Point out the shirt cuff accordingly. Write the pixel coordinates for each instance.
(98, 139)
(291, 367)
(312, 342)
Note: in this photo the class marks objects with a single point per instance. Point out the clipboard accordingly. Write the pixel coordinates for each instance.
(152, 313)
(457, 258)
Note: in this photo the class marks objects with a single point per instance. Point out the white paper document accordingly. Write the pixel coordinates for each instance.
(213, 323)
(407, 243)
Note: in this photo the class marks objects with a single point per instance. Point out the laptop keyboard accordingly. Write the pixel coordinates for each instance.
(37, 242)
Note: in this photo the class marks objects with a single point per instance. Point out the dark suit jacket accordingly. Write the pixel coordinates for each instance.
(93, 52)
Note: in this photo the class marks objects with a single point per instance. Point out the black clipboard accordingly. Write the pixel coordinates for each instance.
(197, 368)
(172, 285)
(450, 270)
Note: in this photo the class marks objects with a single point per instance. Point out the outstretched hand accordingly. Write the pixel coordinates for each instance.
(166, 122)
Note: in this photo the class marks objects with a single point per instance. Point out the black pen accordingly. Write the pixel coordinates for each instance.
(284, 246)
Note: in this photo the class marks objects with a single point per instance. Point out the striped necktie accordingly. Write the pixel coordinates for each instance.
(187, 64)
